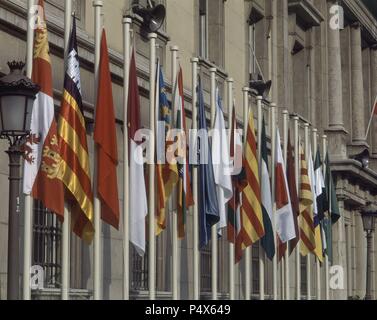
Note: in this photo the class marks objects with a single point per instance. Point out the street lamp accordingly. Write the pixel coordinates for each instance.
(17, 95)
(369, 214)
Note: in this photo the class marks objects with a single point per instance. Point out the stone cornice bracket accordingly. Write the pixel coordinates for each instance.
(306, 13)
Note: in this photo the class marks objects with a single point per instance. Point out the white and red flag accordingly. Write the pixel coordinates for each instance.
(42, 148)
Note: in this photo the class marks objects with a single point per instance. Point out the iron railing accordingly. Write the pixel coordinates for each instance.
(47, 236)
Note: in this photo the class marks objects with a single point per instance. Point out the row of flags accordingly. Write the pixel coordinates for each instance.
(57, 170)
(57, 163)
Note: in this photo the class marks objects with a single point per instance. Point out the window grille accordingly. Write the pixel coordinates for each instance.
(47, 236)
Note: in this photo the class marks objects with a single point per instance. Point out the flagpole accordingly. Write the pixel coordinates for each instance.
(174, 54)
(318, 265)
(196, 259)
(273, 182)
(297, 175)
(127, 21)
(67, 217)
(286, 257)
(308, 258)
(371, 118)
(261, 252)
(28, 218)
(246, 91)
(214, 228)
(327, 293)
(230, 82)
(97, 4)
(152, 206)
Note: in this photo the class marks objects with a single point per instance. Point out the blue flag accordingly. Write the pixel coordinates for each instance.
(208, 205)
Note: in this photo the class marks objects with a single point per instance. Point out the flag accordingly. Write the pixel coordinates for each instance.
(74, 168)
(167, 173)
(106, 139)
(334, 212)
(41, 150)
(208, 203)
(234, 207)
(291, 176)
(268, 242)
(307, 233)
(221, 166)
(138, 194)
(252, 227)
(316, 179)
(285, 225)
(185, 197)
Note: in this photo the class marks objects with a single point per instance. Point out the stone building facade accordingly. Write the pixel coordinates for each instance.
(322, 68)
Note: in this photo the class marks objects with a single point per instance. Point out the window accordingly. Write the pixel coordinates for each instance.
(255, 31)
(47, 236)
(255, 269)
(205, 270)
(56, 8)
(203, 29)
(139, 269)
(304, 276)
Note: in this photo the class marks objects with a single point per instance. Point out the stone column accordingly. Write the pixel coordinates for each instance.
(373, 86)
(335, 79)
(336, 132)
(358, 105)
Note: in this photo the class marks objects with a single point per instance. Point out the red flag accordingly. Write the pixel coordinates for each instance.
(106, 140)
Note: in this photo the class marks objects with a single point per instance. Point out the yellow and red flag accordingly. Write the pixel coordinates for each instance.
(74, 168)
(167, 170)
(307, 232)
(252, 226)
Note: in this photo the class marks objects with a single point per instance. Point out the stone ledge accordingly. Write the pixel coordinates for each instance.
(55, 294)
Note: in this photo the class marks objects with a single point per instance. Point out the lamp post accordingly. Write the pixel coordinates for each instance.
(369, 214)
(17, 94)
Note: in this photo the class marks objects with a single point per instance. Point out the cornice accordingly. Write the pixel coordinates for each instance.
(357, 11)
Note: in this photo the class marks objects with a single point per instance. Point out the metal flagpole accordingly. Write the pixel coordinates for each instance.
(261, 251)
(67, 217)
(318, 265)
(97, 4)
(127, 21)
(273, 182)
(28, 218)
(308, 258)
(246, 91)
(152, 206)
(214, 228)
(196, 259)
(327, 266)
(174, 54)
(286, 257)
(297, 175)
(230, 82)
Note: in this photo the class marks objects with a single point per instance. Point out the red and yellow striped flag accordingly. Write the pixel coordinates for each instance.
(185, 197)
(252, 227)
(167, 171)
(74, 168)
(306, 209)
